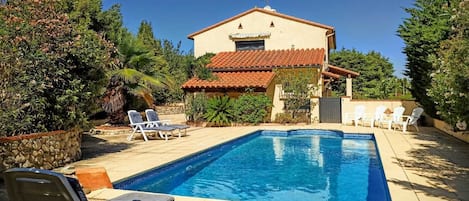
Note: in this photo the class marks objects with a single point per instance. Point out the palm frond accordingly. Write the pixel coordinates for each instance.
(168, 80)
(128, 75)
(144, 93)
(151, 81)
(137, 91)
(139, 60)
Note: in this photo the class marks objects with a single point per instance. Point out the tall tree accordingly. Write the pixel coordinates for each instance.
(450, 81)
(145, 34)
(178, 62)
(377, 68)
(84, 12)
(348, 59)
(422, 33)
(110, 24)
(175, 63)
(168, 57)
(373, 69)
(89, 15)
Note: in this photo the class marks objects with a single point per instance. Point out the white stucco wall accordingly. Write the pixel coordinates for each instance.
(284, 35)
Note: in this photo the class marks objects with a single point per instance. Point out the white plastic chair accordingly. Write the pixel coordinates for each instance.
(357, 115)
(377, 117)
(396, 117)
(410, 120)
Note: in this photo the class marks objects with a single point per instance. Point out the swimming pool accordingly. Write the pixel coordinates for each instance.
(275, 165)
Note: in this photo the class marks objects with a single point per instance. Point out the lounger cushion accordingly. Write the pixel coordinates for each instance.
(178, 126)
(159, 128)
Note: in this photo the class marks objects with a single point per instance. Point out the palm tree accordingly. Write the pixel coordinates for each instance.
(141, 72)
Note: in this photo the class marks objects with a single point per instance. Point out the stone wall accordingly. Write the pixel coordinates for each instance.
(443, 126)
(170, 109)
(40, 150)
(348, 106)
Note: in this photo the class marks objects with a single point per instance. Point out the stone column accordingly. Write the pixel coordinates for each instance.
(348, 82)
(314, 110)
(277, 102)
(347, 107)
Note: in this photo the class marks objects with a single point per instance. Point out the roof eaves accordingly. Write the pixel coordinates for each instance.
(332, 39)
(329, 74)
(329, 28)
(299, 66)
(350, 72)
(234, 69)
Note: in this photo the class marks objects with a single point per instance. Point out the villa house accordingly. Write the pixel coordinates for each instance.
(253, 46)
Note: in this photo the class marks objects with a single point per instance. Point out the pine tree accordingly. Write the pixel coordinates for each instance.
(422, 33)
(145, 34)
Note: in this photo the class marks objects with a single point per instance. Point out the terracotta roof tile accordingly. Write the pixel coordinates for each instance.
(266, 59)
(257, 79)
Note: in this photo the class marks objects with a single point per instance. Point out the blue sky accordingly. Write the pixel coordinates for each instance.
(364, 25)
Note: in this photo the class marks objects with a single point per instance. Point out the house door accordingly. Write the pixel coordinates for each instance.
(330, 110)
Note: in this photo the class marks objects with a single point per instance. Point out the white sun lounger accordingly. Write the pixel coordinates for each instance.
(138, 125)
(152, 116)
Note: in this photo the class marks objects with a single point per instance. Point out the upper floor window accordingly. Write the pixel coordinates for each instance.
(250, 45)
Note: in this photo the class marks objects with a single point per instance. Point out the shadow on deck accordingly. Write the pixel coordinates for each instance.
(440, 158)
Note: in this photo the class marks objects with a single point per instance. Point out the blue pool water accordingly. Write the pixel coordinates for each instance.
(275, 165)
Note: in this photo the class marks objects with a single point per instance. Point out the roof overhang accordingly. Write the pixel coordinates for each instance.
(331, 39)
(342, 71)
(331, 75)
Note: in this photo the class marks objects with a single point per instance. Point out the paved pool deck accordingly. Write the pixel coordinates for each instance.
(428, 165)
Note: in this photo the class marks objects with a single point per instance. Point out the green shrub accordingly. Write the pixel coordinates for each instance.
(196, 107)
(199, 66)
(219, 111)
(450, 79)
(250, 108)
(302, 117)
(284, 118)
(52, 70)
